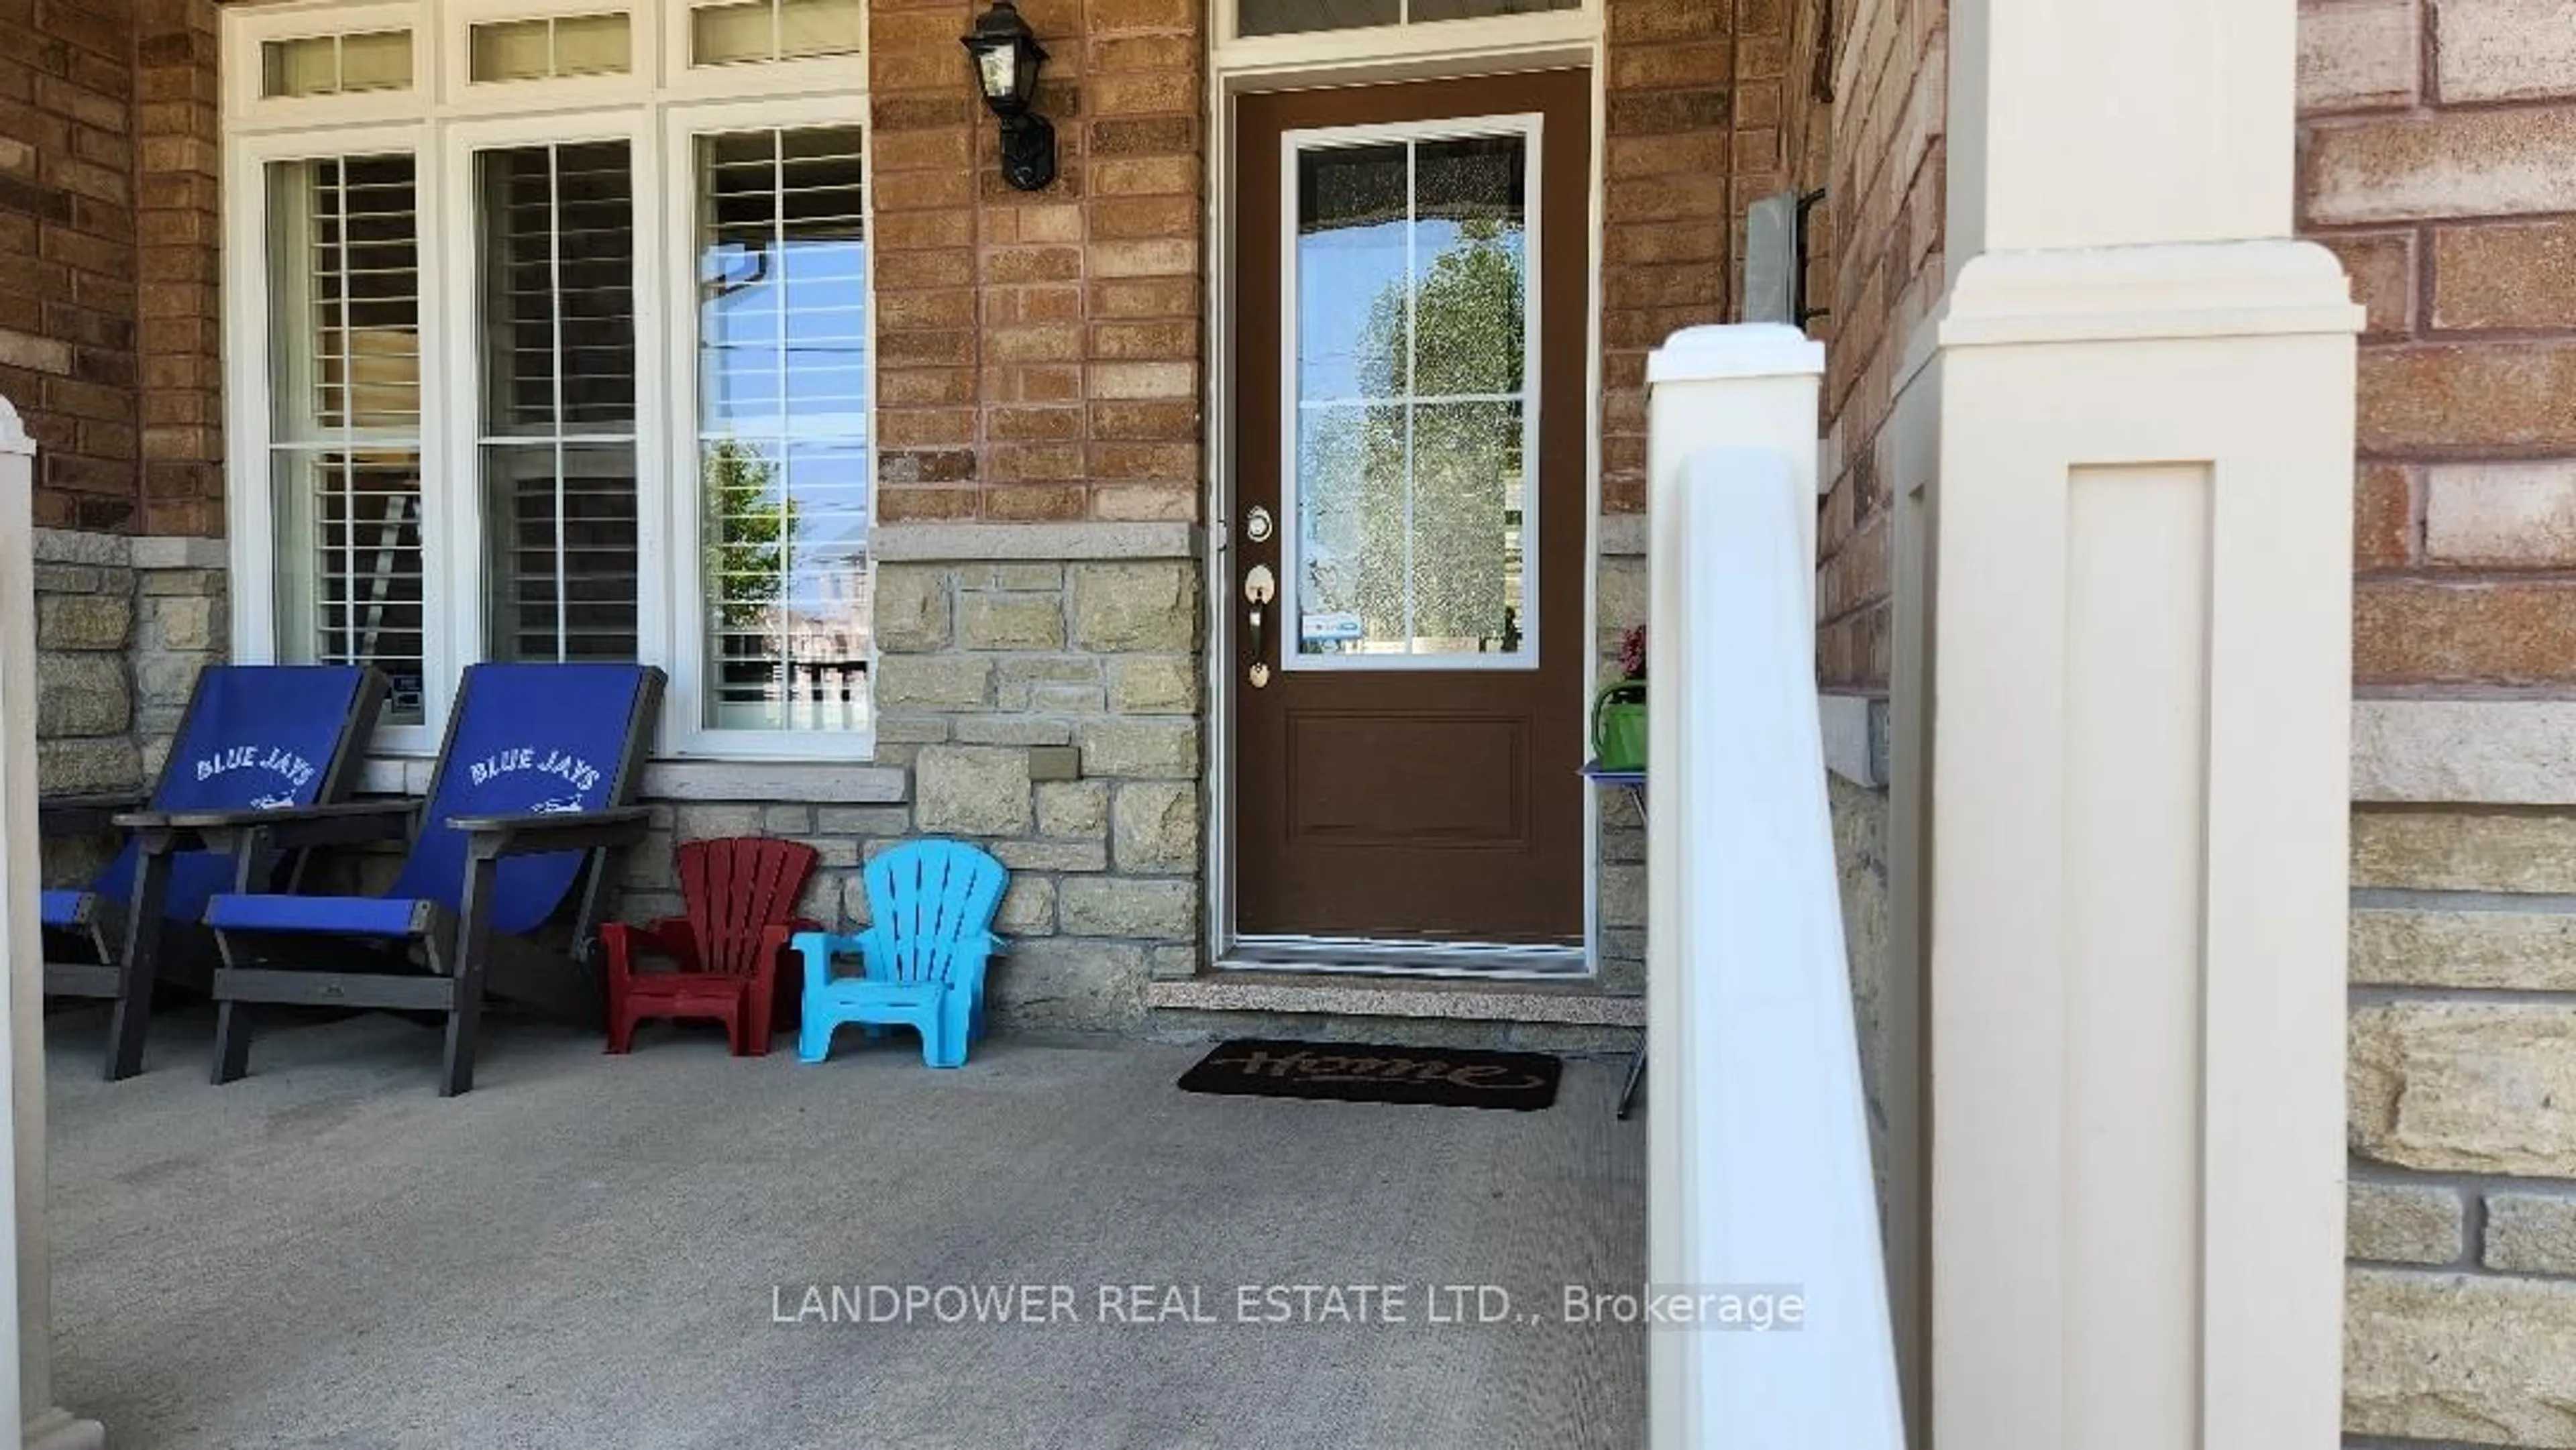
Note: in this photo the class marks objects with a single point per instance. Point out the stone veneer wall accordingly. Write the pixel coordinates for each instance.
(1047, 710)
(1050, 709)
(122, 626)
(2439, 161)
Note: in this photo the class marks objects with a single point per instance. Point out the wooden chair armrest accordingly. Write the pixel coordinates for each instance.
(295, 827)
(494, 837)
(84, 815)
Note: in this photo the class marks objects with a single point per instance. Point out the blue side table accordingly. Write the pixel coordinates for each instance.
(1633, 781)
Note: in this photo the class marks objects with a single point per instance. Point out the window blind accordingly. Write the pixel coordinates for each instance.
(782, 427)
(558, 445)
(345, 435)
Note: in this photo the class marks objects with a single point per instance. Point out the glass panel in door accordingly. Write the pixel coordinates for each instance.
(1411, 483)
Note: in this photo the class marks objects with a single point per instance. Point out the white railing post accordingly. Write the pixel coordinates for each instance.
(27, 1334)
(1761, 1196)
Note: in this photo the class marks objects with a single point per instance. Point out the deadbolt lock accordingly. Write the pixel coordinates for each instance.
(1256, 525)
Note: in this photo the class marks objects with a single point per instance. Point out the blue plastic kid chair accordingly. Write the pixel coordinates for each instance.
(531, 797)
(923, 952)
(254, 738)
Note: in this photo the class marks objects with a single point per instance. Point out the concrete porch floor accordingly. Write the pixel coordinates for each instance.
(582, 1251)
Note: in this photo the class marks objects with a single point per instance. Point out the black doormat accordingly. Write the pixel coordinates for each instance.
(1448, 1077)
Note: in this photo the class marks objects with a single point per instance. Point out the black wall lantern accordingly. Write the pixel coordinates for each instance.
(1007, 57)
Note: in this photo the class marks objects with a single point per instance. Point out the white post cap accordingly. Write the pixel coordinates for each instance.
(1735, 350)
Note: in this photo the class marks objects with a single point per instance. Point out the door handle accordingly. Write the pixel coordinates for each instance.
(1259, 588)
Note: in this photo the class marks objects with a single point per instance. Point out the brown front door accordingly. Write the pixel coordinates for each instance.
(1409, 494)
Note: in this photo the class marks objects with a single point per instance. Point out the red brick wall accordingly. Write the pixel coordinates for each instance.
(178, 321)
(2438, 157)
(1693, 102)
(67, 295)
(1868, 124)
(1663, 260)
(1039, 353)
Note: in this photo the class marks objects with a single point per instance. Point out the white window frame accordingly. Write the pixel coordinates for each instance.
(1379, 52)
(1527, 126)
(441, 122)
(461, 425)
(244, 71)
(250, 485)
(460, 92)
(685, 520)
(842, 74)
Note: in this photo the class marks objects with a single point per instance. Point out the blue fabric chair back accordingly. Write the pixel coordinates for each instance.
(925, 898)
(527, 738)
(254, 737)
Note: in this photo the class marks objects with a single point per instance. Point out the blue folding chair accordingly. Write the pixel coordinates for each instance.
(501, 889)
(253, 738)
(922, 955)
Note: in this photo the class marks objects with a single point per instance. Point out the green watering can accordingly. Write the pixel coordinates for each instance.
(1619, 725)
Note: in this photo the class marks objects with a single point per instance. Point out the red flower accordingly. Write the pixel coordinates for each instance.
(1632, 652)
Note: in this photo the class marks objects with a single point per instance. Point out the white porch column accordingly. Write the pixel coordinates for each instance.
(2124, 466)
(27, 1334)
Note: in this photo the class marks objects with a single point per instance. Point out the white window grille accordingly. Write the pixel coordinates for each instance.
(344, 457)
(558, 443)
(475, 413)
(546, 47)
(733, 32)
(783, 426)
(336, 65)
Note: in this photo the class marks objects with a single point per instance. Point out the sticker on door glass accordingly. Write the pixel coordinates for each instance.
(1330, 629)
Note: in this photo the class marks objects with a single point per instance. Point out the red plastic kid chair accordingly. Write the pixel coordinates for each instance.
(741, 898)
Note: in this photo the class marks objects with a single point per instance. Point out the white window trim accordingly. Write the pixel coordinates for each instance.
(843, 74)
(243, 70)
(250, 483)
(441, 130)
(1528, 126)
(1382, 51)
(460, 92)
(460, 522)
(686, 732)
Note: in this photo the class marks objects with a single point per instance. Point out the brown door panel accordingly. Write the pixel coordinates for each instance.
(1429, 803)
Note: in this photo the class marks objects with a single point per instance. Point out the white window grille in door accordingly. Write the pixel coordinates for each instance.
(558, 432)
(344, 453)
